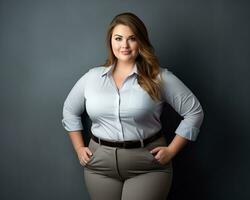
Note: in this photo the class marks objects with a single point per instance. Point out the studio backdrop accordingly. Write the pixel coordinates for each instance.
(46, 46)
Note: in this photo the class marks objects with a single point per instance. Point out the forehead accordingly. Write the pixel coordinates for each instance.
(123, 30)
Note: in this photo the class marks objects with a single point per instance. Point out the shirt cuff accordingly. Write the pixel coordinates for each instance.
(72, 124)
(187, 131)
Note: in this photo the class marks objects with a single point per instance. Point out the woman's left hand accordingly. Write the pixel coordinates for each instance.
(163, 154)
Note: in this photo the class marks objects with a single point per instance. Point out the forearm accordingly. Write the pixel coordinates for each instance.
(76, 139)
(177, 144)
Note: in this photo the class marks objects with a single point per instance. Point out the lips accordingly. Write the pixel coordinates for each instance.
(125, 52)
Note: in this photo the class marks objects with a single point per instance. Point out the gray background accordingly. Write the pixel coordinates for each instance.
(46, 46)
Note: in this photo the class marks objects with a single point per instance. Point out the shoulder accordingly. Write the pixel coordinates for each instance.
(96, 70)
(93, 72)
(166, 73)
(170, 79)
(172, 84)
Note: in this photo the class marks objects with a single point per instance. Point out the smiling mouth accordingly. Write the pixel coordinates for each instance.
(126, 52)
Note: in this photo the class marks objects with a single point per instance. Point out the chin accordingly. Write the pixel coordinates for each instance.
(126, 59)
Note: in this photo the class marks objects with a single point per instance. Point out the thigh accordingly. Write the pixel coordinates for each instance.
(101, 187)
(148, 186)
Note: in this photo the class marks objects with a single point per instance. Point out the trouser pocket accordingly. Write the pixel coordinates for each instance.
(159, 142)
(94, 148)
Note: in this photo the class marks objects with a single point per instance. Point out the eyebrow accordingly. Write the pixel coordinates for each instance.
(121, 35)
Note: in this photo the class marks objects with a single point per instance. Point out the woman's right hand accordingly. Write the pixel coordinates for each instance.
(84, 155)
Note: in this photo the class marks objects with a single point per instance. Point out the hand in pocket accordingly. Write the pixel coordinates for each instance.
(162, 154)
(84, 155)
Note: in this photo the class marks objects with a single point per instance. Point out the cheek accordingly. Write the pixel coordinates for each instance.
(135, 46)
(114, 43)
(115, 47)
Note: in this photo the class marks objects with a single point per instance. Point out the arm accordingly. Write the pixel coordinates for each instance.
(185, 103)
(81, 150)
(76, 139)
(73, 107)
(177, 144)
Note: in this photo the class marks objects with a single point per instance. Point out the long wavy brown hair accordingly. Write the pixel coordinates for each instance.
(147, 63)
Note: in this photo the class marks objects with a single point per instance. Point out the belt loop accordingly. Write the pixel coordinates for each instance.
(142, 144)
(99, 141)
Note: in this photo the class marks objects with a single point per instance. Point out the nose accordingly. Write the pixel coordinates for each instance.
(125, 43)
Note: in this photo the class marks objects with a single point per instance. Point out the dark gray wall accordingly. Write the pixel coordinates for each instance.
(46, 46)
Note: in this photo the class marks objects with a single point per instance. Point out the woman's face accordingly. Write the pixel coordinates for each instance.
(124, 44)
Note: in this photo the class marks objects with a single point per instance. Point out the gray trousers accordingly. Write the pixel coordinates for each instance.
(127, 174)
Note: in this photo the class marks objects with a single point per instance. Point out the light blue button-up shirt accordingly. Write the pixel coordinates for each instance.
(129, 113)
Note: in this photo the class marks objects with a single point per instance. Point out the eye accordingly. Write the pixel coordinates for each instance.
(118, 39)
(133, 39)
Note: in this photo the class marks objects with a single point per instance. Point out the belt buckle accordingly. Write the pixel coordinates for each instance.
(128, 142)
(124, 144)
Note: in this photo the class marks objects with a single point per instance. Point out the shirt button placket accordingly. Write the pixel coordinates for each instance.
(119, 114)
(118, 101)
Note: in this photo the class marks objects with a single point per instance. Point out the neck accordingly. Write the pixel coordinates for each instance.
(124, 66)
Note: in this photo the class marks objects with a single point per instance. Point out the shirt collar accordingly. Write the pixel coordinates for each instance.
(108, 70)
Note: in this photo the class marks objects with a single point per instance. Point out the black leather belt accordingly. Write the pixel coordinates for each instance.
(127, 144)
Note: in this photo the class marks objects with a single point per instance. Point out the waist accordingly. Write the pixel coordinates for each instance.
(128, 144)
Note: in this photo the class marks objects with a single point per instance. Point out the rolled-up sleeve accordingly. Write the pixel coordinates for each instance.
(185, 103)
(74, 106)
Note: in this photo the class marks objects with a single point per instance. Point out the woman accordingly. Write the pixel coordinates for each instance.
(128, 157)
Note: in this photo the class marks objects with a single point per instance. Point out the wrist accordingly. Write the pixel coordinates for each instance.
(172, 151)
(77, 148)
(177, 144)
